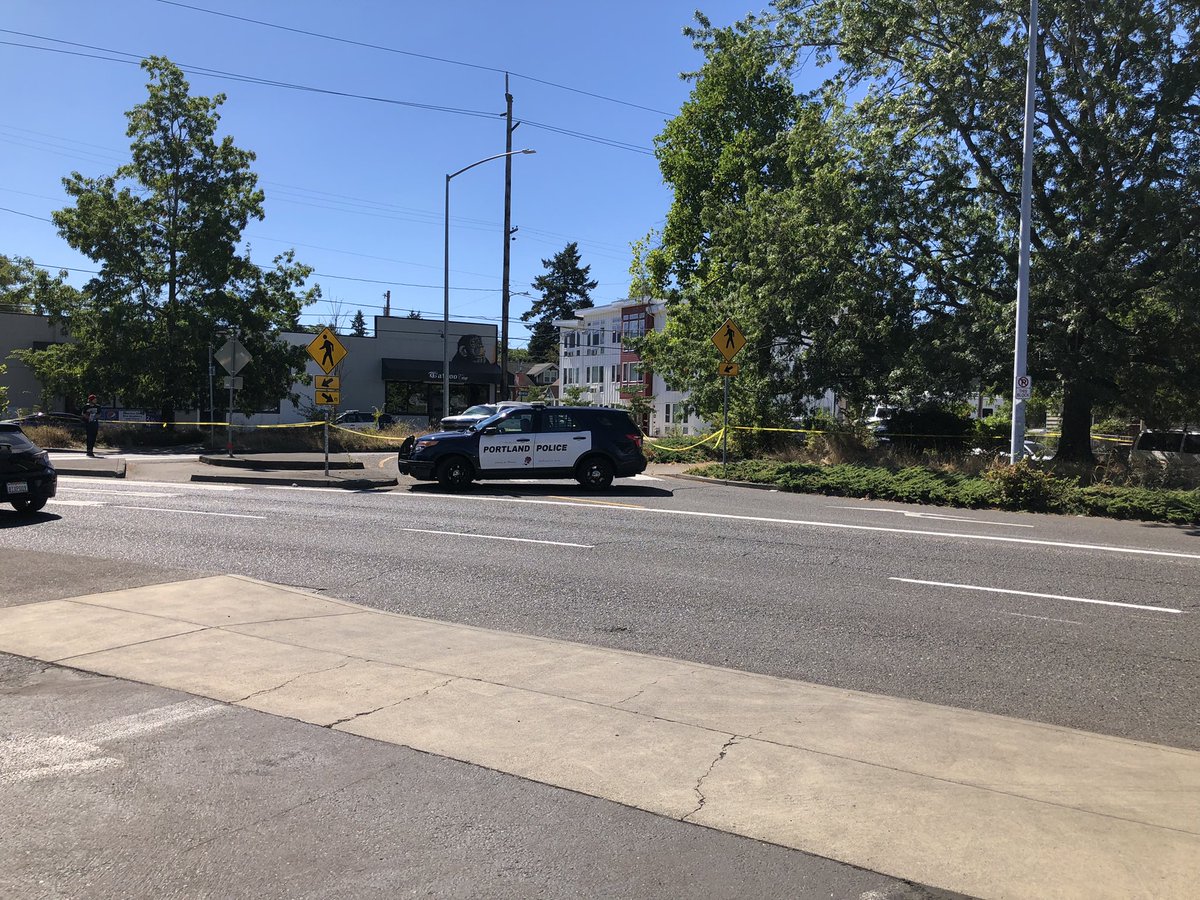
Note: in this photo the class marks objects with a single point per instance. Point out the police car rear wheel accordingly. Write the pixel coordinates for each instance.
(455, 472)
(25, 507)
(595, 473)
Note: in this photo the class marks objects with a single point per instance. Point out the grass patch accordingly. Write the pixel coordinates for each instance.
(1022, 487)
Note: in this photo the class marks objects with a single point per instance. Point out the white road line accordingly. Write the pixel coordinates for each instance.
(190, 512)
(171, 485)
(56, 502)
(88, 490)
(908, 514)
(995, 590)
(150, 720)
(994, 538)
(1042, 618)
(33, 756)
(493, 537)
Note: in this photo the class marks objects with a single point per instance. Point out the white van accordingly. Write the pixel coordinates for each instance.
(1165, 448)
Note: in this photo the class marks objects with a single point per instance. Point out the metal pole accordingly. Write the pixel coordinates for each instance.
(1017, 449)
(446, 310)
(326, 443)
(212, 406)
(725, 433)
(229, 413)
(504, 294)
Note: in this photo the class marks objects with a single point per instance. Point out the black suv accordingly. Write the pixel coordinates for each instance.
(27, 480)
(592, 444)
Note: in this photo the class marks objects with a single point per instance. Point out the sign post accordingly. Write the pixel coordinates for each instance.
(233, 357)
(729, 340)
(327, 352)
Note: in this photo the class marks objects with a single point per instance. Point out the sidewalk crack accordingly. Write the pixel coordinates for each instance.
(368, 712)
(290, 680)
(725, 748)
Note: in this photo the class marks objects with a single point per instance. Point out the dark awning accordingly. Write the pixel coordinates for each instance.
(431, 370)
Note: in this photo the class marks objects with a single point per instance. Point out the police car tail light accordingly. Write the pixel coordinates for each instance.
(636, 438)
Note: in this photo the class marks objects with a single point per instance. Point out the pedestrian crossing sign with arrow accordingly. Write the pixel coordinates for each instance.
(328, 398)
(328, 383)
(729, 340)
(326, 350)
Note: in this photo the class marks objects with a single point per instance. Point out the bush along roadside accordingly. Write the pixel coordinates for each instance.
(1022, 487)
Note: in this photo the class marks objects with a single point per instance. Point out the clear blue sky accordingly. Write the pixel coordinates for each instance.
(355, 186)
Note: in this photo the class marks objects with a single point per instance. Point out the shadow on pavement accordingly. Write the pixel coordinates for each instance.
(13, 519)
(551, 489)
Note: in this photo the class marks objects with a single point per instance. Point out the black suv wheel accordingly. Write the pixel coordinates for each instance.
(595, 473)
(455, 472)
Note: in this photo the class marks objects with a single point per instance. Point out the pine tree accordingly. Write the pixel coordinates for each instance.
(358, 325)
(565, 288)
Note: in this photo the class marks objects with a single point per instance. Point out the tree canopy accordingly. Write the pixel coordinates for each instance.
(864, 234)
(165, 229)
(565, 288)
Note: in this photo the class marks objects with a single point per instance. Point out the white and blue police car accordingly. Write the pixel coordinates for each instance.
(592, 444)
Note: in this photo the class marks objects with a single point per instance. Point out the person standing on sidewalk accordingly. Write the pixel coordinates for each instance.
(91, 423)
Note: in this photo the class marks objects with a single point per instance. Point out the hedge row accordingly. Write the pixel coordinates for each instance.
(1020, 487)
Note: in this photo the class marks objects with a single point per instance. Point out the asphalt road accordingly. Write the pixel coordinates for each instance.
(869, 596)
(113, 789)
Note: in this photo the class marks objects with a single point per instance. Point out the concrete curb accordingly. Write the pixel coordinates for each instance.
(275, 465)
(744, 484)
(112, 472)
(350, 484)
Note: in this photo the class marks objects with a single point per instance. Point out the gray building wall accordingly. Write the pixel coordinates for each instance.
(21, 331)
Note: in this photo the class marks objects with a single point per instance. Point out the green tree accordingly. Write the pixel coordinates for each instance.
(358, 325)
(923, 174)
(565, 288)
(165, 230)
(26, 288)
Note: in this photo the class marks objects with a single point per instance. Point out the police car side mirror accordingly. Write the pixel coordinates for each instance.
(491, 429)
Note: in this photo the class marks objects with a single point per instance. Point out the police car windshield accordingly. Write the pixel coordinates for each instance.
(493, 419)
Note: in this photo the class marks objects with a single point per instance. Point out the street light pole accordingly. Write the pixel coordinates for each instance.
(446, 280)
(1017, 448)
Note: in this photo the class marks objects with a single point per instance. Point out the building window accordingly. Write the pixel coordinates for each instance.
(570, 376)
(595, 374)
(631, 371)
(616, 374)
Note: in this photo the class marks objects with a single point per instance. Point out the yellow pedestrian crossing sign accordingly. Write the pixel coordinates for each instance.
(328, 383)
(729, 340)
(326, 350)
(328, 398)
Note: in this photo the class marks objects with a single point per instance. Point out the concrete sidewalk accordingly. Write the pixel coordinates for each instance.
(302, 469)
(981, 804)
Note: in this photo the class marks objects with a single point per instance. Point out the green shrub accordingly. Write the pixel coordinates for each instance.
(1024, 487)
(53, 436)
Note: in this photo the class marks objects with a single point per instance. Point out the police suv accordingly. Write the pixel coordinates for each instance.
(592, 444)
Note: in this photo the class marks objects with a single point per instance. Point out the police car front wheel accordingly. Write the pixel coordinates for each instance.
(595, 473)
(455, 472)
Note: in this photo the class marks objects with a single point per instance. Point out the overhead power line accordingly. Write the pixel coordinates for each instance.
(136, 59)
(415, 55)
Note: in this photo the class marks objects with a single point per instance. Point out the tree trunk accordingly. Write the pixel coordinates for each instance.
(1076, 441)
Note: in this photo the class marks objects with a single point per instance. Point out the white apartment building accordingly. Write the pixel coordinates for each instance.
(593, 355)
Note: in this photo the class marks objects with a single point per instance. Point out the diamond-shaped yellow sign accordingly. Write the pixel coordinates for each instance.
(729, 340)
(326, 350)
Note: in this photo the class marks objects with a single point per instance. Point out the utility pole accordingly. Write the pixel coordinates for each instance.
(387, 303)
(1017, 448)
(504, 294)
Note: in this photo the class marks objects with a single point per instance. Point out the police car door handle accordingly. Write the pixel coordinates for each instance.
(580, 437)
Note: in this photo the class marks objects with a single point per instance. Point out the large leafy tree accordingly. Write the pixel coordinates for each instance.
(165, 229)
(929, 157)
(564, 288)
(26, 288)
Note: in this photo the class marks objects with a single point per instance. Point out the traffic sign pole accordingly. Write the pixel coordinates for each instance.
(725, 434)
(327, 443)
(234, 367)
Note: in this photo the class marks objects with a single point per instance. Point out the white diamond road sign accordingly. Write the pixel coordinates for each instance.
(232, 356)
